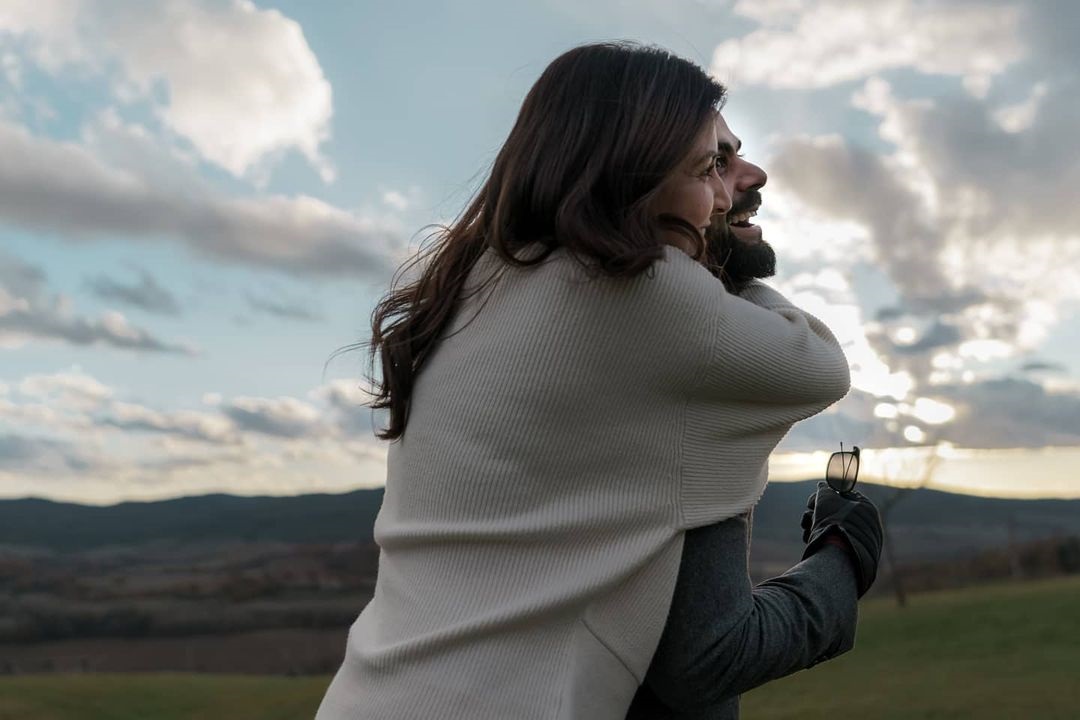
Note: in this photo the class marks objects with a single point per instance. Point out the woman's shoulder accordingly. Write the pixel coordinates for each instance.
(673, 289)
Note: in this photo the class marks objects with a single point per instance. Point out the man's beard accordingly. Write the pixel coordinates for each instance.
(741, 262)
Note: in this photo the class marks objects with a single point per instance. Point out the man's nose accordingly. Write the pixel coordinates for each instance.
(752, 178)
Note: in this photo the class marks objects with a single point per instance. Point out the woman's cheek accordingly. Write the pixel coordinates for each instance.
(706, 206)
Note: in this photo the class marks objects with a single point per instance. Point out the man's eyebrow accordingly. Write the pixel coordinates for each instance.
(727, 148)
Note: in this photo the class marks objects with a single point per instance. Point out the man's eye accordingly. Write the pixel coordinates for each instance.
(717, 162)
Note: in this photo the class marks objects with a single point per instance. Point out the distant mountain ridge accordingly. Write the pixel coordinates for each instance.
(928, 521)
(318, 518)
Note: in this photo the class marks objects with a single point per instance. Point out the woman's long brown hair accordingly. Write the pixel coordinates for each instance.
(598, 132)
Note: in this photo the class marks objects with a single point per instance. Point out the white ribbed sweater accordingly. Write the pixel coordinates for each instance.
(556, 449)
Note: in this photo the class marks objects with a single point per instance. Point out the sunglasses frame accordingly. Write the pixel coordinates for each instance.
(854, 453)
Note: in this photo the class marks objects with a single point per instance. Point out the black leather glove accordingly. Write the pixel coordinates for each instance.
(852, 516)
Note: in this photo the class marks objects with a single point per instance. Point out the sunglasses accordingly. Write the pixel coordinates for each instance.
(843, 470)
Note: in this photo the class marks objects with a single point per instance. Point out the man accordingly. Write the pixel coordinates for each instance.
(735, 243)
(723, 636)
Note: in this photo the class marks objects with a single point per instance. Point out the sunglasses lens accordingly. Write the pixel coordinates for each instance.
(842, 471)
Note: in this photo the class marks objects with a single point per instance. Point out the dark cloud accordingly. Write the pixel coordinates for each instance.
(38, 454)
(939, 335)
(827, 430)
(283, 310)
(206, 427)
(846, 182)
(851, 421)
(27, 311)
(1011, 413)
(1039, 366)
(1004, 413)
(187, 462)
(21, 279)
(1024, 179)
(948, 302)
(146, 295)
(280, 417)
(889, 313)
(46, 324)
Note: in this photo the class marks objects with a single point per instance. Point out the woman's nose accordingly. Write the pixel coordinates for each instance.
(721, 200)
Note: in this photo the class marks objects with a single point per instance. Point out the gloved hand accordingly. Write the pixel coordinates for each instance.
(852, 516)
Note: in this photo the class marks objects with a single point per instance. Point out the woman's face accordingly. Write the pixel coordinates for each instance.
(695, 190)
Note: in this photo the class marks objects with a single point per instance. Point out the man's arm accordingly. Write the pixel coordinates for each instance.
(725, 636)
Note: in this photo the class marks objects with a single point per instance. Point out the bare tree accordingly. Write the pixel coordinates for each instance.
(923, 470)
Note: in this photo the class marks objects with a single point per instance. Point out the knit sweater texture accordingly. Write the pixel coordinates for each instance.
(562, 437)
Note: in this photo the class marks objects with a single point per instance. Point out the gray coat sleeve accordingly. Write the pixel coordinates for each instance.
(725, 636)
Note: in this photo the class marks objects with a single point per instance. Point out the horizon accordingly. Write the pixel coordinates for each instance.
(881, 469)
(184, 248)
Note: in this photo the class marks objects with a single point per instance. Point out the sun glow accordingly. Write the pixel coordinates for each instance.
(1049, 472)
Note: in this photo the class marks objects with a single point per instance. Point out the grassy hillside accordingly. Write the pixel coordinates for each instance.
(1007, 651)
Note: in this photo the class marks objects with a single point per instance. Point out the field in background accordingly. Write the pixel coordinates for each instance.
(1006, 651)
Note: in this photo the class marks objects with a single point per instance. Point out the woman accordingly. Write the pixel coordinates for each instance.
(566, 401)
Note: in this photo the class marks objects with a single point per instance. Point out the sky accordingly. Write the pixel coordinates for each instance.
(202, 200)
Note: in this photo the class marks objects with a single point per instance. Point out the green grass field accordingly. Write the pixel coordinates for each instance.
(1001, 652)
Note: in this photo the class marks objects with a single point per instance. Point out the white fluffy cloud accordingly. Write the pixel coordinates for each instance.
(205, 426)
(968, 220)
(120, 184)
(817, 43)
(239, 83)
(73, 390)
(968, 215)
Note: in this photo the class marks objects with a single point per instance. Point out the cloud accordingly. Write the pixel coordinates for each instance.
(967, 219)
(1035, 366)
(72, 390)
(44, 455)
(940, 334)
(21, 279)
(395, 200)
(55, 428)
(346, 400)
(846, 182)
(995, 413)
(1012, 412)
(283, 310)
(62, 187)
(282, 417)
(241, 84)
(26, 313)
(813, 44)
(147, 295)
(209, 427)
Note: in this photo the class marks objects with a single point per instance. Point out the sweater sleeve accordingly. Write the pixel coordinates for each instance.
(761, 365)
(763, 349)
(725, 636)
